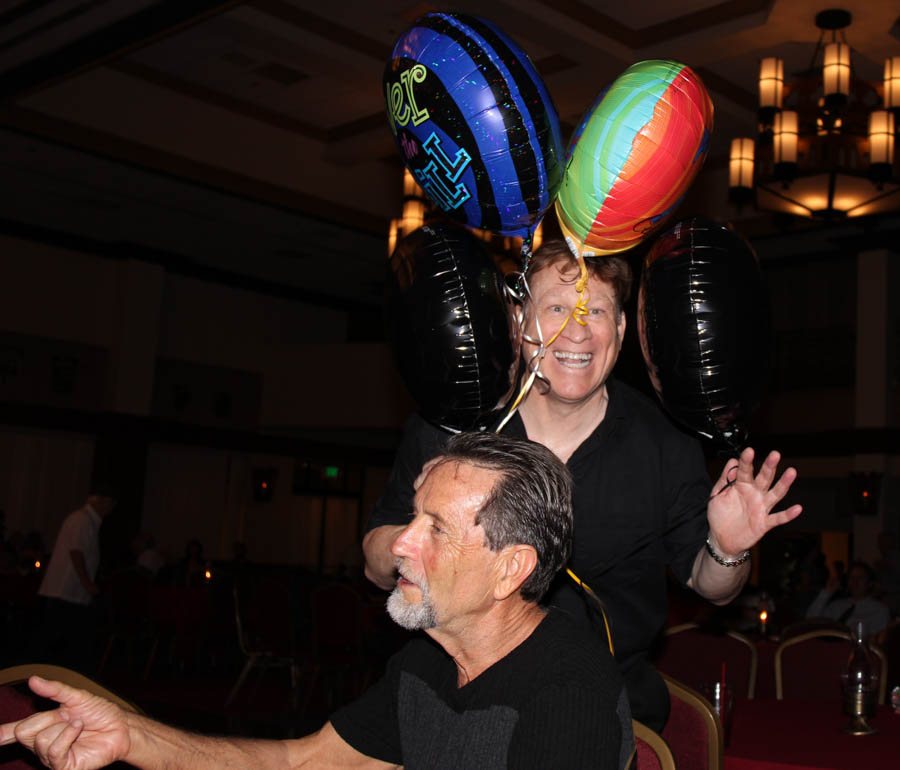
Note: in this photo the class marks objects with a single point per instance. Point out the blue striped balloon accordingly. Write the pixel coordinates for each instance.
(474, 123)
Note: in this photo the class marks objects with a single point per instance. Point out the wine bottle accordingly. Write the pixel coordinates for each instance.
(859, 684)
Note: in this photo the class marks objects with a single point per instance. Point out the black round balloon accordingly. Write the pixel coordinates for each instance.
(448, 325)
(703, 320)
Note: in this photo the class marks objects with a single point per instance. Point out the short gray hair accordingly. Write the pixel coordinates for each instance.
(531, 503)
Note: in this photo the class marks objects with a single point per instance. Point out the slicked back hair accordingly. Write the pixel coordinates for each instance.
(610, 268)
(530, 504)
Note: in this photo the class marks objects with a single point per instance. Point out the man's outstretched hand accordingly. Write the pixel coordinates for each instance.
(85, 732)
(740, 509)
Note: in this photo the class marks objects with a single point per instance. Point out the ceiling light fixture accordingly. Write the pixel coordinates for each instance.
(825, 146)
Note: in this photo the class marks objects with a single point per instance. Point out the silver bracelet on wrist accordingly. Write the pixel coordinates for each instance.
(726, 562)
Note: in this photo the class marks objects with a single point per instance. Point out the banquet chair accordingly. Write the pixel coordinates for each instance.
(266, 632)
(809, 666)
(339, 660)
(693, 731)
(651, 752)
(17, 702)
(891, 647)
(179, 618)
(694, 657)
(18, 674)
(806, 625)
(128, 602)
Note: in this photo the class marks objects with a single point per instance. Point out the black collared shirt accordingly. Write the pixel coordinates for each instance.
(640, 496)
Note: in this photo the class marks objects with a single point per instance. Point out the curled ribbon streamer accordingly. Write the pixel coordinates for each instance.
(590, 592)
(521, 290)
(584, 296)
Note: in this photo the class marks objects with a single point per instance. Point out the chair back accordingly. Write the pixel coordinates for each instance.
(806, 625)
(15, 705)
(891, 647)
(17, 674)
(693, 732)
(263, 615)
(336, 617)
(809, 666)
(651, 752)
(127, 593)
(694, 656)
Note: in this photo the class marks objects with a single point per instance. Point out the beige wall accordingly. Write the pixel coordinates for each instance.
(138, 313)
(50, 292)
(206, 494)
(44, 476)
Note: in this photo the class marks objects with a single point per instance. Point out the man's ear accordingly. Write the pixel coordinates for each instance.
(516, 563)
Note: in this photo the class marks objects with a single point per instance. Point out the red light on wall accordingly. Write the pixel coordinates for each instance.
(865, 488)
(264, 484)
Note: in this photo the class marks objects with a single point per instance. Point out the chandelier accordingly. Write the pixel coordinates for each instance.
(825, 146)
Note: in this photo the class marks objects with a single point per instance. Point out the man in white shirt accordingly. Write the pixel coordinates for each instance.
(68, 586)
(860, 605)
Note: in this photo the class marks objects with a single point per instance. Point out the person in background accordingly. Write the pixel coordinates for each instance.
(860, 605)
(190, 572)
(887, 569)
(68, 585)
(500, 683)
(642, 494)
(840, 572)
(147, 556)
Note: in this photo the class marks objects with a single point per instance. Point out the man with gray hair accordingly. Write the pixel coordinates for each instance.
(500, 683)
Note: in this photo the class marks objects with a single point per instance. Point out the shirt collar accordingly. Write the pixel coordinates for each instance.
(93, 514)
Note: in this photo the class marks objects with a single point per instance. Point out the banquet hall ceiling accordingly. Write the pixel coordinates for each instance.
(247, 141)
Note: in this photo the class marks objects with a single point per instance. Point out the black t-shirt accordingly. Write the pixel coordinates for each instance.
(556, 701)
(640, 496)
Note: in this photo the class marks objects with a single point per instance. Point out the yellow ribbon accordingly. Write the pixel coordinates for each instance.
(578, 313)
(596, 598)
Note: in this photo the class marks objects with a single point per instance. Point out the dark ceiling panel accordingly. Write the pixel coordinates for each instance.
(122, 36)
(336, 33)
(656, 33)
(219, 99)
(111, 146)
(21, 11)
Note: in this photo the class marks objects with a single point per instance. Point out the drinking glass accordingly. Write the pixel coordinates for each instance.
(722, 700)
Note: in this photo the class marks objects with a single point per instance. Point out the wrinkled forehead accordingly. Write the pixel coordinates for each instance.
(561, 280)
(455, 488)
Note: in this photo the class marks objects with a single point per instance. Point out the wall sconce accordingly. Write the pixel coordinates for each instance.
(740, 170)
(392, 236)
(892, 83)
(412, 215)
(771, 88)
(538, 238)
(881, 144)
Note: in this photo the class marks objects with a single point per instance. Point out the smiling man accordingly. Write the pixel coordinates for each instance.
(642, 498)
(501, 683)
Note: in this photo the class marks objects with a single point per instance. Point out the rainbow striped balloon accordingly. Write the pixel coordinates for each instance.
(633, 157)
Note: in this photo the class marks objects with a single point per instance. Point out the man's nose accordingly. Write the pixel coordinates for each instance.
(576, 332)
(406, 541)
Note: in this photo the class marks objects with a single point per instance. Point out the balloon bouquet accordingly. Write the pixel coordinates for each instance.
(477, 128)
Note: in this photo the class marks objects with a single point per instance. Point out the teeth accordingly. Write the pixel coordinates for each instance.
(573, 360)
